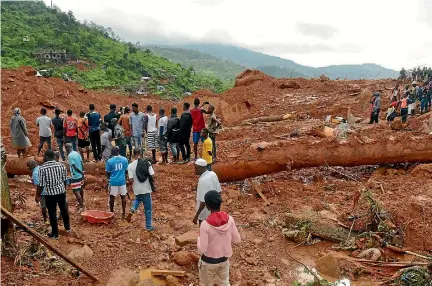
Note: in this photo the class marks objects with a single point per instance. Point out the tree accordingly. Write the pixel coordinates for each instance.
(403, 74)
(71, 16)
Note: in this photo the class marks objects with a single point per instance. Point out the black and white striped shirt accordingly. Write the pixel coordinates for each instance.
(52, 176)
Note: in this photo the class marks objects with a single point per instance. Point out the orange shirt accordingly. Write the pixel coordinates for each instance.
(124, 122)
(82, 128)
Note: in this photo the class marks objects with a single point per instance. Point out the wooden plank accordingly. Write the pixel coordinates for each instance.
(257, 189)
(48, 245)
(168, 272)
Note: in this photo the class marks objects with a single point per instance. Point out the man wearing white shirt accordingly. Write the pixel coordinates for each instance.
(140, 174)
(208, 181)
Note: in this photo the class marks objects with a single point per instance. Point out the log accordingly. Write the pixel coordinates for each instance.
(379, 148)
(18, 166)
(273, 118)
(168, 272)
(316, 226)
(48, 245)
(401, 147)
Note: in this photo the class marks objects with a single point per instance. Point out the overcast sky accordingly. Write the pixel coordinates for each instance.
(393, 33)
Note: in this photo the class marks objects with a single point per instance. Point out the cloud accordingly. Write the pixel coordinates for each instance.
(208, 2)
(316, 30)
(295, 48)
(425, 10)
(217, 35)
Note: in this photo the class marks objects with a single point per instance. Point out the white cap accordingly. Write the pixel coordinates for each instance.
(201, 162)
(414, 82)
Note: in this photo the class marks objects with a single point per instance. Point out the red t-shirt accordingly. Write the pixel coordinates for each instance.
(71, 126)
(197, 119)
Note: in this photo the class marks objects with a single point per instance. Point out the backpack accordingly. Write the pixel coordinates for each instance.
(142, 172)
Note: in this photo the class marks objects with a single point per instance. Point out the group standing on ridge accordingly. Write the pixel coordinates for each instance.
(413, 99)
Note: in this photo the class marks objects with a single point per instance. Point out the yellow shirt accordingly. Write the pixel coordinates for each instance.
(207, 146)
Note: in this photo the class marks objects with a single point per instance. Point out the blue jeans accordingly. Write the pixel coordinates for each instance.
(60, 144)
(137, 142)
(147, 202)
(72, 140)
(173, 147)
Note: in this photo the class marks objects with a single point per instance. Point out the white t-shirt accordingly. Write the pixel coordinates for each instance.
(207, 182)
(44, 123)
(163, 122)
(139, 188)
(151, 123)
(106, 141)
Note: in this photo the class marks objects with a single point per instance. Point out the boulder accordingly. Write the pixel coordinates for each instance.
(123, 277)
(185, 258)
(329, 266)
(84, 252)
(189, 237)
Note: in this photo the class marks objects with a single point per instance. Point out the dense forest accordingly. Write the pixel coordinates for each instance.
(28, 27)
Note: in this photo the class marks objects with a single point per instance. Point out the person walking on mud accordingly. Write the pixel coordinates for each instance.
(19, 133)
(217, 233)
(52, 180)
(110, 116)
(94, 118)
(116, 173)
(208, 181)
(119, 137)
(376, 107)
(44, 124)
(185, 131)
(404, 103)
(197, 123)
(57, 122)
(76, 166)
(141, 173)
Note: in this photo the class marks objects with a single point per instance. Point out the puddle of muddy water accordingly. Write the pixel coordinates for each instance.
(146, 275)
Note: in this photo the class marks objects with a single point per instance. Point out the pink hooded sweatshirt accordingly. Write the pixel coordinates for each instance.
(217, 233)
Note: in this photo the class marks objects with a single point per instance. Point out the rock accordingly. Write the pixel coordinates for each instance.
(5, 87)
(30, 72)
(81, 253)
(329, 266)
(184, 258)
(172, 281)
(123, 277)
(232, 193)
(381, 170)
(323, 78)
(71, 240)
(249, 252)
(257, 241)
(422, 171)
(189, 237)
(295, 235)
(271, 239)
(295, 133)
(370, 253)
(396, 124)
(251, 261)
(11, 80)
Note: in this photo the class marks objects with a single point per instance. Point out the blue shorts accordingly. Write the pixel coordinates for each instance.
(196, 137)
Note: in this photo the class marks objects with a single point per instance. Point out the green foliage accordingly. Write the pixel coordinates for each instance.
(201, 62)
(111, 62)
(252, 59)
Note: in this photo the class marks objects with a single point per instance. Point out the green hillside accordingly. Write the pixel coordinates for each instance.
(201, 62)
(110, 62)
(282, 67)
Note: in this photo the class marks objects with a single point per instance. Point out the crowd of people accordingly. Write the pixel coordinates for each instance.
(128, 145)
(413, 99)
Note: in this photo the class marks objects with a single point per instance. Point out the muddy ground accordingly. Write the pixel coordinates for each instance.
(262, 257)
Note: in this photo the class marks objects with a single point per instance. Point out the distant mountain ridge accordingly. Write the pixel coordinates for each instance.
(279, 67)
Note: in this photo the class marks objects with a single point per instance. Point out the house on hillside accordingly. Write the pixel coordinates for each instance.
(49, 55)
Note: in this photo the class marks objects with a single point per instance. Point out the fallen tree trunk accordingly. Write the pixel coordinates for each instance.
(273, 118)
(400, 147)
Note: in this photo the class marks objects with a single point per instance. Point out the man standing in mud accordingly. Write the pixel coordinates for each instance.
(77, 173)
(198, 124)
(44, 124)
(213, 126)
(52, 180)
(208, 181)
(136, 121)
(57, 122)
(93, 118)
